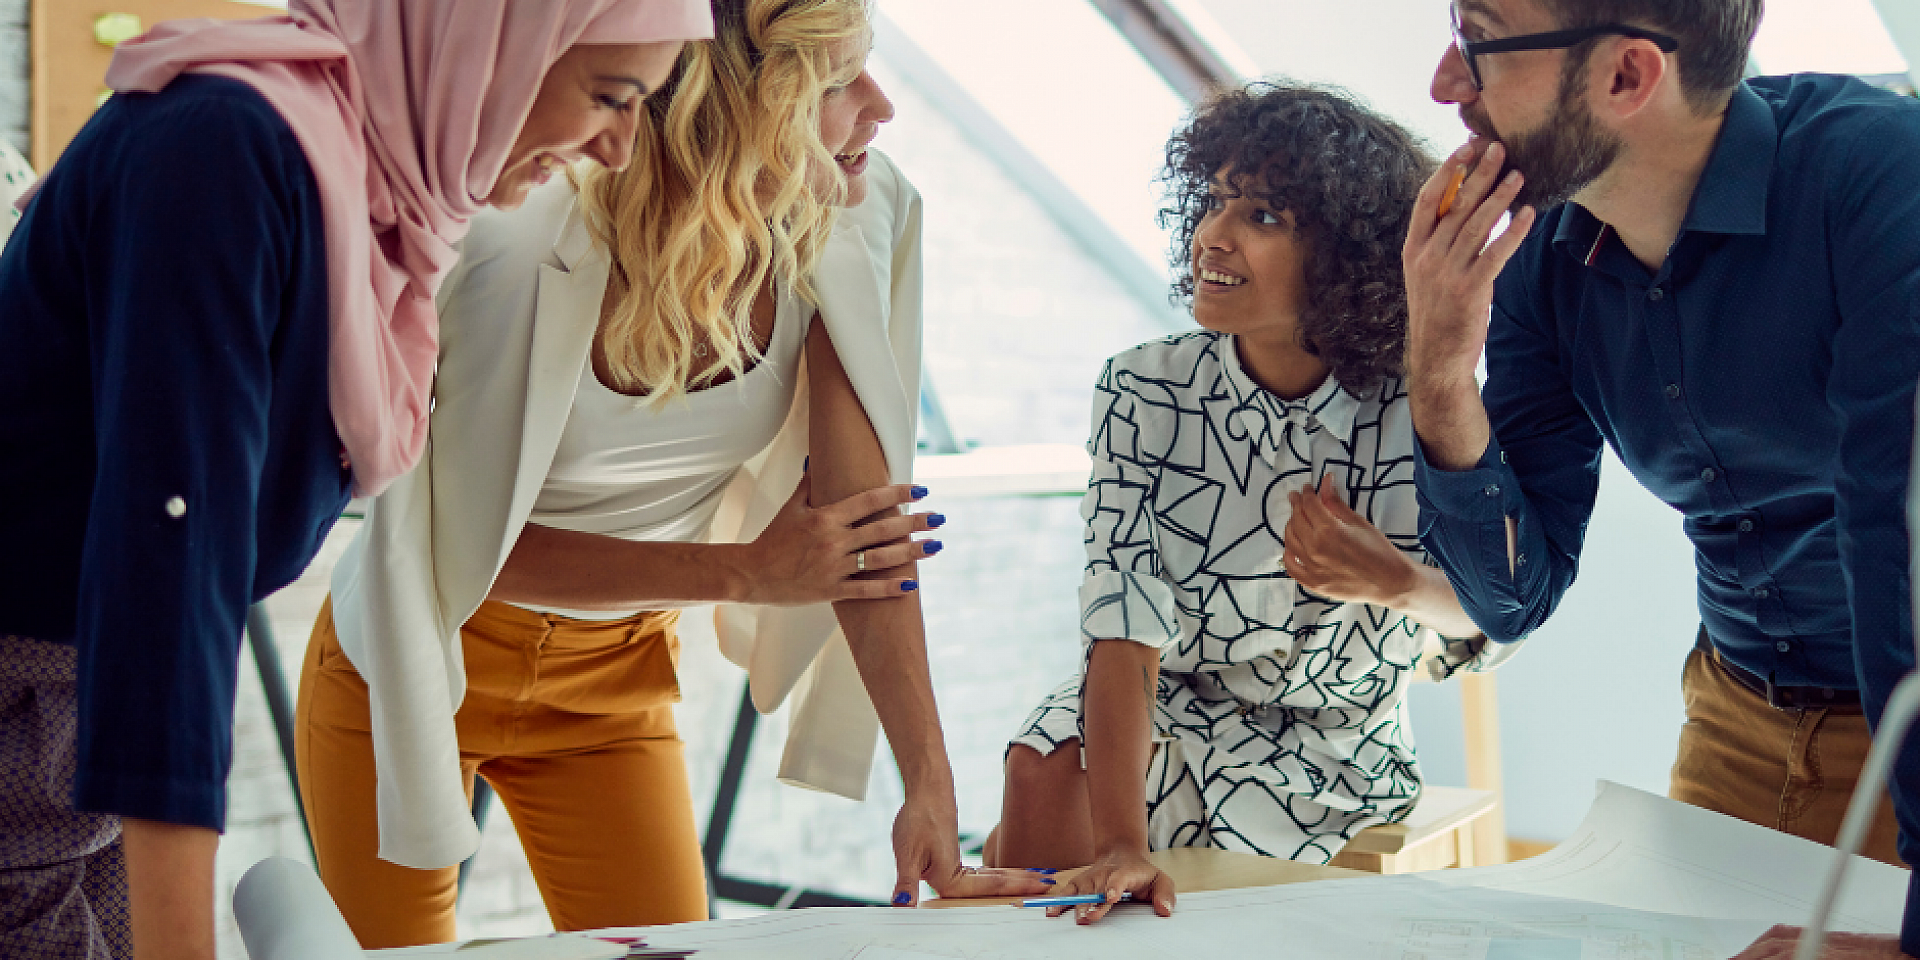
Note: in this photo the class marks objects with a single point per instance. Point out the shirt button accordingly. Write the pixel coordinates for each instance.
(1709, 474)
(1673, 391)
(1520, 560)
(1492, 490)
(176, 507)
(1746, 526)
(1656, 294)
(1759, 593)
(1783, 647)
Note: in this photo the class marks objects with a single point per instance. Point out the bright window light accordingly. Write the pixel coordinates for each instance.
(1383, 50)
(1825, 36)
(1070, 88)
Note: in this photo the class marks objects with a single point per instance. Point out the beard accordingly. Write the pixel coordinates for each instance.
(1561, 156)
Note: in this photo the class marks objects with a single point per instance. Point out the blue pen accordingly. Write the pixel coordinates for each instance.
(1074, 901)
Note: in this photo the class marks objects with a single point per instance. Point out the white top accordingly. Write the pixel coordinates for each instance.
(517, 318)
(631, 468)
(1289, 704)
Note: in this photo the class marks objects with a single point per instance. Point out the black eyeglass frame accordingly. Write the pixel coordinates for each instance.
(1550, 40)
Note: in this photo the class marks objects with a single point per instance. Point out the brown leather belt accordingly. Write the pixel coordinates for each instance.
(1779, 697)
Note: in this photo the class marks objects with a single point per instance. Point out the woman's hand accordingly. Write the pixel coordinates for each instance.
(1114, 873)
(1334, 552)
(926, 846)
(811, 554)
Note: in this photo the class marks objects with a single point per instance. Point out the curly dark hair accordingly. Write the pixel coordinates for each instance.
(1348, 175)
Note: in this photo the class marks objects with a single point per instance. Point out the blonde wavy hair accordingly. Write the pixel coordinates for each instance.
(717, 196)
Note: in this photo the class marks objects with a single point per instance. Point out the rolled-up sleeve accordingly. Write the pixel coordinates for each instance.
(1541, 470)
(1122, 596)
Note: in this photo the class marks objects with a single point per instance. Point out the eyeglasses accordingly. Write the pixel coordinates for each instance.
(1551, 40)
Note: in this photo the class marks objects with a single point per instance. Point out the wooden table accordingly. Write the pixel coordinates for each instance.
(1194, 870)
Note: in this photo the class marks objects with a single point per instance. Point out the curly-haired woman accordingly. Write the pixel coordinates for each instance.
(632, 374)
(1255, 595)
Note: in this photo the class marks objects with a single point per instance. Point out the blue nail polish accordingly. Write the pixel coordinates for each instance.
(908, 586)
(1045, 870)
(932, 547)
(919, 491)
(935, 520)
(805, 463)
(1049, 881)
(902, 898)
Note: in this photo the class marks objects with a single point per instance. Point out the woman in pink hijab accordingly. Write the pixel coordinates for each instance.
(219, 324)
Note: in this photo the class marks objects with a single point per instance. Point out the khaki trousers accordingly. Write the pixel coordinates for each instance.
(571, 723)
(1787, 770)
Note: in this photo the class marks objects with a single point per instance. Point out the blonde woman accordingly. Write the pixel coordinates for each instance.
(633, 375)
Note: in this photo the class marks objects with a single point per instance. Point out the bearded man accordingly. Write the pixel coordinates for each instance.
(1720, 279)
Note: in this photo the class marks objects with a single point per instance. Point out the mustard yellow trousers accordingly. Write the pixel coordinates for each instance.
(571, 723)
(1786, 770)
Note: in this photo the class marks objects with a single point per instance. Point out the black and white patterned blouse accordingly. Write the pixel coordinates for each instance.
(1279, 719)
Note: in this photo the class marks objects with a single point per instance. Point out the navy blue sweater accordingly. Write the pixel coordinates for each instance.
(167, 455)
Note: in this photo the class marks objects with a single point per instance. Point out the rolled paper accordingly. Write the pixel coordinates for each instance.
(284, 913)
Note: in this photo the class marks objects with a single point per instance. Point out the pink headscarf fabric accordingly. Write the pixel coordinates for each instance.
(407, 110)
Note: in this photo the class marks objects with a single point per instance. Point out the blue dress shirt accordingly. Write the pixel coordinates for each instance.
(169, 455)
(1761, 382)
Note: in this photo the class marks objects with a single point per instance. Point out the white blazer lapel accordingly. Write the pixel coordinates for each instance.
(566, 315)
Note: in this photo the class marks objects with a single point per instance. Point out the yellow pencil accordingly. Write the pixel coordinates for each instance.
(1453, 190)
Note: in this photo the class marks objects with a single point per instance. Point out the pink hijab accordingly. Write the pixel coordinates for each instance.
(407, 110)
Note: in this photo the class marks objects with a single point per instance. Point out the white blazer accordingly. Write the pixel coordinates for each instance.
(518, 316)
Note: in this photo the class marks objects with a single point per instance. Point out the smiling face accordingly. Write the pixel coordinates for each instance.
(587, 108)
(1249, 265)
(1554, 140)
(851, 113)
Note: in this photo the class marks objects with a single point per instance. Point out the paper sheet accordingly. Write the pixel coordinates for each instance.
(1644, 878)
(1647, 852)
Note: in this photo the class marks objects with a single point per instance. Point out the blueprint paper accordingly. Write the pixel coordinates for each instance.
(1395, 918)
(1644, 878)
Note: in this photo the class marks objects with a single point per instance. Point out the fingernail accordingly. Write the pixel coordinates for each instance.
(919, 492)
(908, 586)
(805, 463)
(902, 898)
(1046, 870)
(932, 547)
(935, 520)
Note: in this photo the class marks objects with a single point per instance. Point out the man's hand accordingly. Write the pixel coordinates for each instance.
(1338, 554)
(926, 846)
(1450, 268)
(1779, 942)
(1114, 873)
(810, 554)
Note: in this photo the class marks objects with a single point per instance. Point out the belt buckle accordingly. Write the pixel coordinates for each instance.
(1776, 696)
